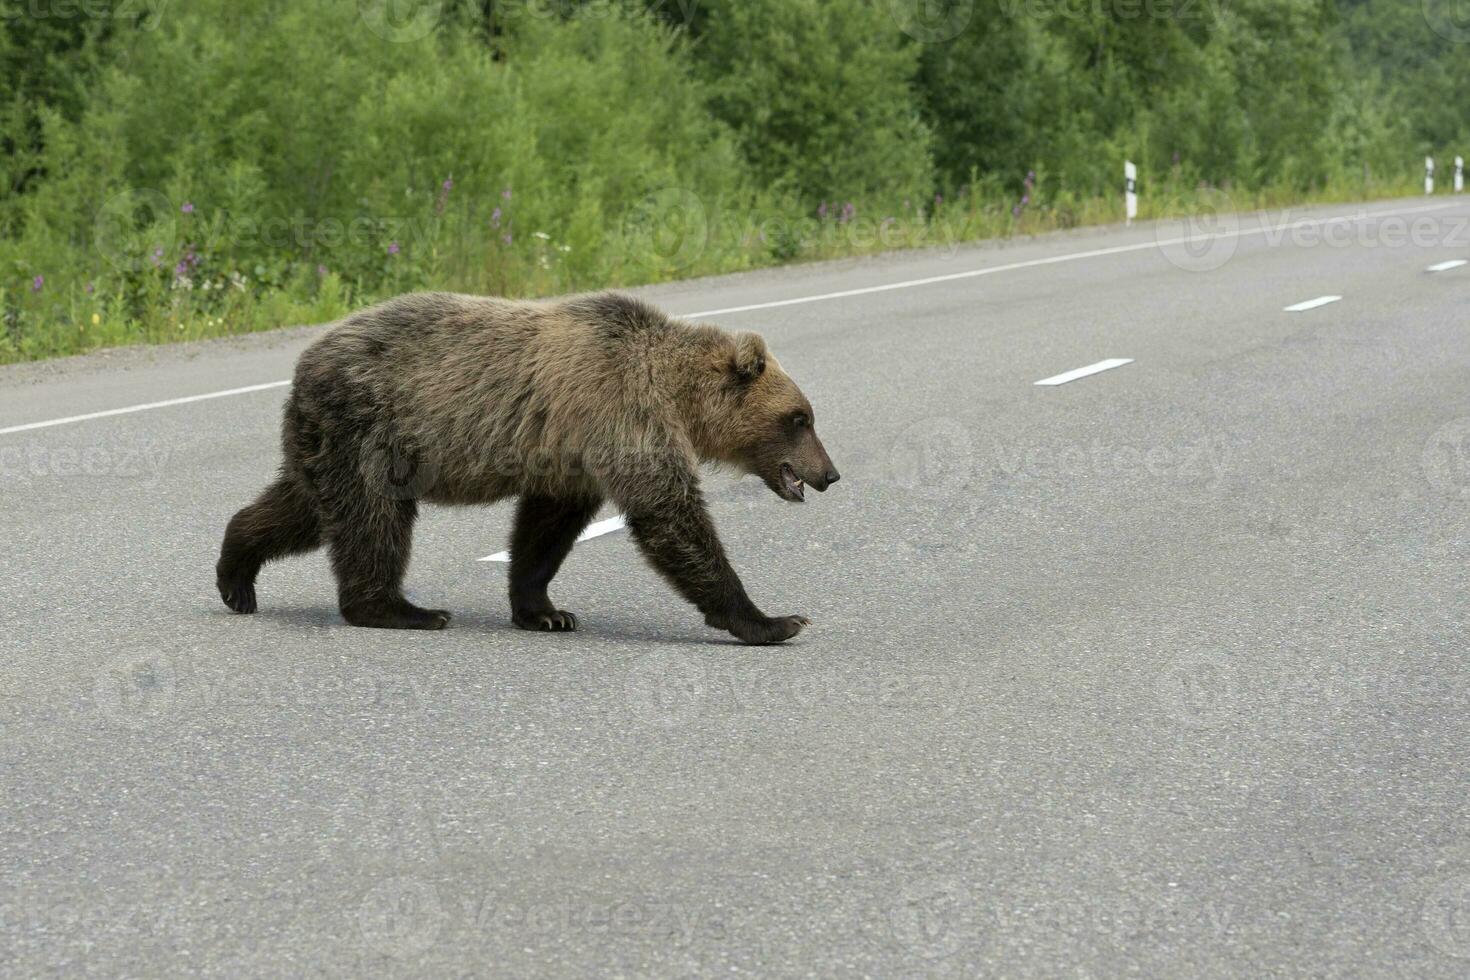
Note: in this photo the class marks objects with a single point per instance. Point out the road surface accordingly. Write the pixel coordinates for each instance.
(1157, 671)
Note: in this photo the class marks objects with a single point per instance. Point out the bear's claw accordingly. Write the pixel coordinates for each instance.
(239, 596)
(546, 621)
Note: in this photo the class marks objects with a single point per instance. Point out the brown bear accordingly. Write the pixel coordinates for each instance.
(455, 399)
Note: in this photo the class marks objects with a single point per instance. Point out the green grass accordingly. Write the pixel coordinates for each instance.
(675, 236)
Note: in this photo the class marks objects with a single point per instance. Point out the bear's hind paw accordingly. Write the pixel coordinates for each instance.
(399, 615)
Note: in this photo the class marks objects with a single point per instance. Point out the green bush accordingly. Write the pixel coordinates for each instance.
(821, 94)
(185, 170)
(203, 169)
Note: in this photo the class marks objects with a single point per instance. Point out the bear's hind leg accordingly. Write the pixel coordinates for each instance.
(370, 543)
(545, 530)
(282, 521)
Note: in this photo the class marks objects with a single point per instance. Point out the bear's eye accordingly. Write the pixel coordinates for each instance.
(799, 421)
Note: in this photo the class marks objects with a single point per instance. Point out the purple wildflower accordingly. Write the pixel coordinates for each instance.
(188, 207)
(849, 211)
(91, 288)
(507, 238)
(1025, 199)
(37, 283)
(448, 184)
(392, 248)
(1030, 175)
(505, 193)
(822, 211)
(321, 270)
(158, 257)
(495, 218)
(1016, 211)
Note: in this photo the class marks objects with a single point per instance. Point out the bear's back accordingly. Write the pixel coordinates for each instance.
(484, 379)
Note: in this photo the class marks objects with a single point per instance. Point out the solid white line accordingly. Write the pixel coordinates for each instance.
(1311, 304)
(593, 531)
(1083, 372)
(1069, 257)
(908, 284)
(1446, 266)
(142, 408)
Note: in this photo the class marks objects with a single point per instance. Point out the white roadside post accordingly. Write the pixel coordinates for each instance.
(1130, 190)
(1429, 175)
(1459, 174)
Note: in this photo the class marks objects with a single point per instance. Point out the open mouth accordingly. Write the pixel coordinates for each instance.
(791, 486)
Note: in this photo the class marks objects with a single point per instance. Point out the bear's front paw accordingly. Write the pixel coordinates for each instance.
(759, 632)
(550, 620)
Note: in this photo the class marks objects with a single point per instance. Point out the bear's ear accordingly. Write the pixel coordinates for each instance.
(750, 356)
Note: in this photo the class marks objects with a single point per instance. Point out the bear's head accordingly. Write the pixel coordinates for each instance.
(764, 425)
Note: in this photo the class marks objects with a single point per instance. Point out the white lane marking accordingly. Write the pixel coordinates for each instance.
(908, 284)
(1069, 257)
(593, 531)
(1311, 304)
(143, 408)
(1083, 372)
(1446, 266)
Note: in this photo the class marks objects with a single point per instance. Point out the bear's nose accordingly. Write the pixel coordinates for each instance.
(832, 477)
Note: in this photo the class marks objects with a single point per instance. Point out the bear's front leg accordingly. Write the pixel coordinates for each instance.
(679, 538)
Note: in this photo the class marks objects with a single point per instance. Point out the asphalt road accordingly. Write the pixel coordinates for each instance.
(1159, 672)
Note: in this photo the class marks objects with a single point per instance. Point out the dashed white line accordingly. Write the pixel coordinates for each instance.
(1311, 304)
(596, 530)
(1083, 372)
(1447, 266)
(1268, 230)
(142, 408)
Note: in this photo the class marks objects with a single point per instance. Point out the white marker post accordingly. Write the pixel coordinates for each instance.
(1429, 175)
(1130, 190)
(1459, 174)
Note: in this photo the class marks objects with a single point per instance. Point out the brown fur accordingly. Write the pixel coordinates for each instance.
(468, 400)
